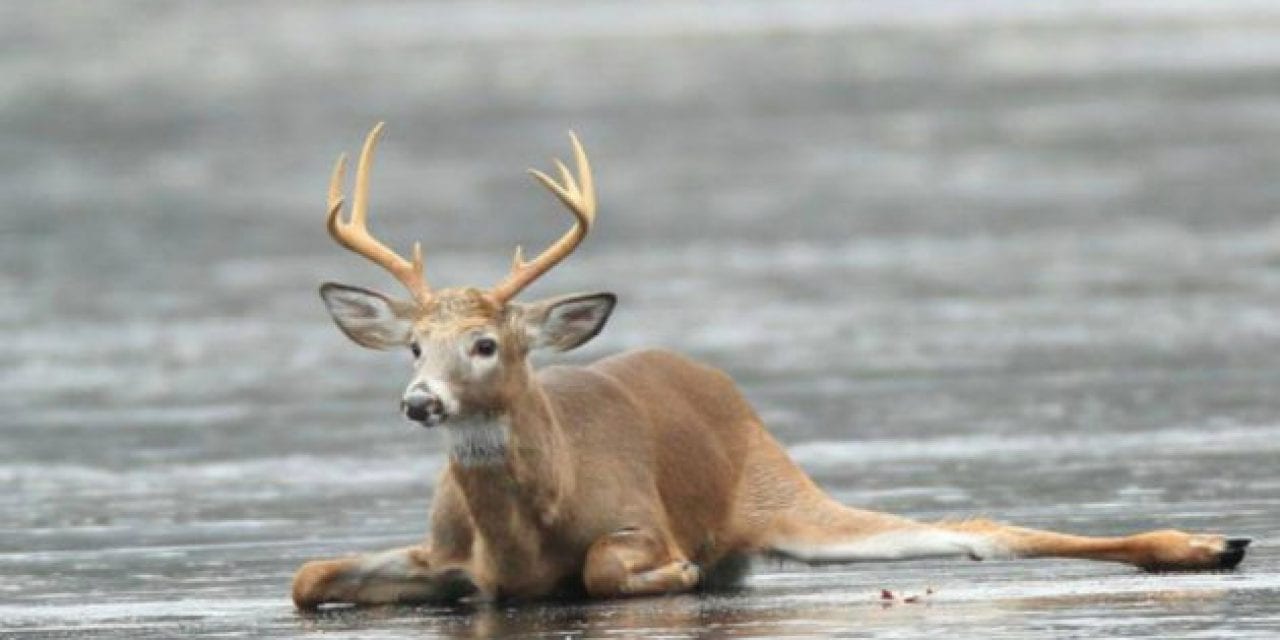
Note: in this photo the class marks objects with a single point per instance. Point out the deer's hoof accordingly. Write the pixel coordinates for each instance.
(1171, 550)
(1234, 553)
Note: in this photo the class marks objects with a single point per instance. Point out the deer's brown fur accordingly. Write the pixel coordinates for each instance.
(641, 473)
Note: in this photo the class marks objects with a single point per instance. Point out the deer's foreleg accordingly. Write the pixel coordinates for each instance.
(396, 576)
(631, 562)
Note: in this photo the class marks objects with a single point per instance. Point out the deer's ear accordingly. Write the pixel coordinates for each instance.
(367, 317)
(567, 322)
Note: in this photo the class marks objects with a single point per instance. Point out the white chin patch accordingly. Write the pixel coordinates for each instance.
(477, 442)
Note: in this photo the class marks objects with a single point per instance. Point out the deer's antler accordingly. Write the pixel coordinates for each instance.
(579, 195)
(354, 234)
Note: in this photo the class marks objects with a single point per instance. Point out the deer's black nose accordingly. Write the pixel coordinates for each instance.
(420, 405)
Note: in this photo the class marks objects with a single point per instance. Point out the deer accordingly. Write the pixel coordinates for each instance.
(642, 473)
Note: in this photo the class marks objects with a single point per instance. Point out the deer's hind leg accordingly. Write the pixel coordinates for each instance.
(1165, 550)
(820, 530)
(632, 562)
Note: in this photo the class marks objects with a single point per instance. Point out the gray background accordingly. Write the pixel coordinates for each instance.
(1009, 259)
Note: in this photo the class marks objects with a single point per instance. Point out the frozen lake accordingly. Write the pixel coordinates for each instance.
(1020, 262)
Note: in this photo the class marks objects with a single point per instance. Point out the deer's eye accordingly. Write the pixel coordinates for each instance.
(417, 350)
(484, 347)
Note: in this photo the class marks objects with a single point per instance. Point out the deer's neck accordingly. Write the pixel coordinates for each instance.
(516, 465)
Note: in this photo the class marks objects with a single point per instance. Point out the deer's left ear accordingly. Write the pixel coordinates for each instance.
(567, 322)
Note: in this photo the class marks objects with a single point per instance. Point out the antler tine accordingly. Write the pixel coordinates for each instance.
(354, 234)
(580, 197)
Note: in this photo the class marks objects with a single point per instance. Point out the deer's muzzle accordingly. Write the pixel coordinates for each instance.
(422, 406)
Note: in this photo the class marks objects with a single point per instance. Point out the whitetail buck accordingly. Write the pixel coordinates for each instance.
(642, 473)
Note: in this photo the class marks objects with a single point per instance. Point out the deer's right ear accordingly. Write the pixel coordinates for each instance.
(369, 318)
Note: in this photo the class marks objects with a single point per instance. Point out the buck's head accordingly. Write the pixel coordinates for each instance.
(470, 346)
